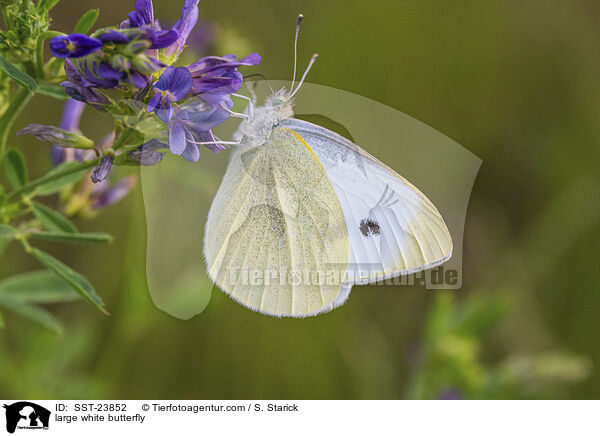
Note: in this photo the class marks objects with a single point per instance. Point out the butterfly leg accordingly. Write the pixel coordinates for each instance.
(251, 101)
(234, 114)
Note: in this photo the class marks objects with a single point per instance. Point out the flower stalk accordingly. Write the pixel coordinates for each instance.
(72, 169)
(18, 102)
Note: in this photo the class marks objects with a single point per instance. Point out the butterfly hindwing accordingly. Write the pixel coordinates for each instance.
(276, 238)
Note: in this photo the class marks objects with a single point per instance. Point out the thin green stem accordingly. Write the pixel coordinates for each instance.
(17, 103)
(120, 142)
(23, 240)
(39, 50)
(28, 187)
(6, 17)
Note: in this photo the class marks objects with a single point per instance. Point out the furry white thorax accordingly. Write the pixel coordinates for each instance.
(256, 129)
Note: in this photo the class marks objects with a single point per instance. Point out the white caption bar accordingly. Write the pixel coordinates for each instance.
(300, 417)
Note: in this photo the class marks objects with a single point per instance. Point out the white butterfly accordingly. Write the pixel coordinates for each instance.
(303, 214)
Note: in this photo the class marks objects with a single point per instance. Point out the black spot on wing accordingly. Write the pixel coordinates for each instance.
(369, 227)
(364, 228)
(374, 227)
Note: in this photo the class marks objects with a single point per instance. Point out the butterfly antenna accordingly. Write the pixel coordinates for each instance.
(310, 64)
(298, 22)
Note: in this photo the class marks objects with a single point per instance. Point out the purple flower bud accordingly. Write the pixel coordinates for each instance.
(120, 62)
(76, 88)
(147, 65)
(114, 36)
(75, 45)
(138, 46)
(57, 136)
(95, 72)
(101, 171)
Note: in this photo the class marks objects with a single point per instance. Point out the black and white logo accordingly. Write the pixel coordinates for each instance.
(26, 415)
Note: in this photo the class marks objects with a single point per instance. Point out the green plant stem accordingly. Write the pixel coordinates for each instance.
(120, 142)
(39, 51)
(28, 187)
(5, 17)
(17, 103)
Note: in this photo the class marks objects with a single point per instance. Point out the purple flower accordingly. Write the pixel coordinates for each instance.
(101, 171)
(193, 124)
(97, 73)
(164, 38)
(172, 86)
(185, 24)
(104, 195)
(150, 37)
(214, 77)
(75, 45)
(143, 15)
(72, 111)
(93, 72)
(78, 88)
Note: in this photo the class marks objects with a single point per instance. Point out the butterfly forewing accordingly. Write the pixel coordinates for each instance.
(276, 238)
(393, 229)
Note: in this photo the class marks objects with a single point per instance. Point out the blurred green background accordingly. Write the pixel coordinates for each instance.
(514, 82)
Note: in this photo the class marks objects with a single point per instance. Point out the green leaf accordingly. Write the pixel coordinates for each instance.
(52, 219)
(22, 78)
(56, 185)
(15, 169)
(34, 313)
(73, 278)
(46, 5)
(40, 287)
(1, 321)
(54, 91)
(73, 238)
(87, 20)
(7, 232)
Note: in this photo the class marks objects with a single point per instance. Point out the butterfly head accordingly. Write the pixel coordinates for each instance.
(261, 120)
(257, 127)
